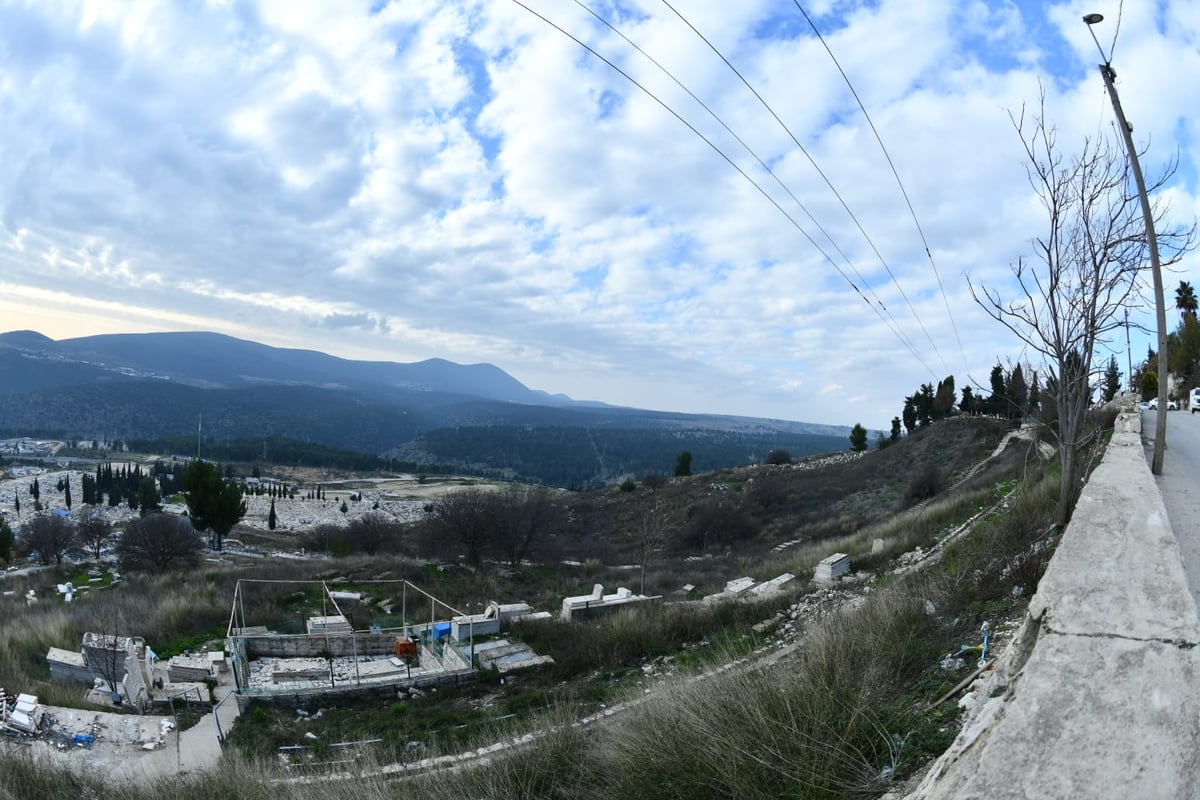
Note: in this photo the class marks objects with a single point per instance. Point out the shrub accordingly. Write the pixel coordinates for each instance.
(930, 482)
(628, 485)
(653, 480)
(778, 457)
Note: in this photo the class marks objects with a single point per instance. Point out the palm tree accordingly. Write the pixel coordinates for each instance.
(1185, 299)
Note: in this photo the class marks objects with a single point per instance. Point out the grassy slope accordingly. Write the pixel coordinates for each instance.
(849, 706)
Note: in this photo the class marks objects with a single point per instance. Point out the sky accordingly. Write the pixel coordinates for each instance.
(461, 179)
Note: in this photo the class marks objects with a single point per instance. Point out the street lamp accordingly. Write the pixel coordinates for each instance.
(1160, 422)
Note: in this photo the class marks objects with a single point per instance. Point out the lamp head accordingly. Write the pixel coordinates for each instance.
(1092, 19)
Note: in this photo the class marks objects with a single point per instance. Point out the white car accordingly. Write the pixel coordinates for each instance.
(1153, 405)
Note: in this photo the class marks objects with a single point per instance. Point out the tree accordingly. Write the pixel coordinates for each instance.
(35, 491)
(17, 504)
(766, 491)
(910, 414)
(271, 520)
(683, 464)
(858, 438)
(213, 504)
(1185, 299)
(523, 517)
(717, 522)
(6, 541)
(895, 437)
(1112, 379)
(1149, 385)
(649, 536)
(372, 533)
(94, 533)
(1084, 272)
(924, 401)
(88, 490)
(1183, 348)
(1017, 393)
(967, 404)
(463, 517)
(159, 542)
(148, 498)
(67, 493)
(944, 398)
(50, 536)
(997, 403)
(779, 457)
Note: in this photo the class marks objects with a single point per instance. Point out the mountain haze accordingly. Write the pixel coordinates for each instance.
(476, 416)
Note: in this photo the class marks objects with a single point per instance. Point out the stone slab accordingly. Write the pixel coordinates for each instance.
(1118, 570)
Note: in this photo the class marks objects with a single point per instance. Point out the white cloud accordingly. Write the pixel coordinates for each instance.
(458, 179)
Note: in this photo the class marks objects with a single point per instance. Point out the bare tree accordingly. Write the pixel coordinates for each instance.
(465, 517)
(1085, 270)
(649, 535)
(49, 536)
(522, 518)
(374, 532)
(159, 541)
(94, 533)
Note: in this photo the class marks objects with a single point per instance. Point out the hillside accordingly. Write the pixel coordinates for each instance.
(630, 663)
(474, 417)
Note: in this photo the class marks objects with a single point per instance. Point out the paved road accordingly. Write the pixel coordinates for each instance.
(1180, 485)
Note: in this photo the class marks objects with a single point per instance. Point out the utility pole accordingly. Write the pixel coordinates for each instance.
(1160, 422)
(1129, 352)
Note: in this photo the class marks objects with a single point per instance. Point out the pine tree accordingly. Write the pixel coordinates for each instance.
(271, 517)
(858, 438)
(67, 494)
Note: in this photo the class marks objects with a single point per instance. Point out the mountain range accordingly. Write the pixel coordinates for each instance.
(473, 416)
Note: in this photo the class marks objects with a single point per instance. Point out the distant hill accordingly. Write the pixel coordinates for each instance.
(147, 386)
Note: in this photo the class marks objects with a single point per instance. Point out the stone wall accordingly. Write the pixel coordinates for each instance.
(339, 645)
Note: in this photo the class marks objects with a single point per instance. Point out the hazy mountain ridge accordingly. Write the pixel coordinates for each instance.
(145, 386)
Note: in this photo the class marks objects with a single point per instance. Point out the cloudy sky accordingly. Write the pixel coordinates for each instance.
(460, 179)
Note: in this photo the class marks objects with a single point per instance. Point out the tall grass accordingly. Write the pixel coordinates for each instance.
(811, 728)
(832, 720)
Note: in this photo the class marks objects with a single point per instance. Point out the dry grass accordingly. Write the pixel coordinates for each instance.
(825, 723)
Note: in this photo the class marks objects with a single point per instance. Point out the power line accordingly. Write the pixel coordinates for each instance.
(896, 330)
(820, 172)
(896, 175)
(732, 163)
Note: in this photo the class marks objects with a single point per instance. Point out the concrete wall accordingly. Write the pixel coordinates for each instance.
(366, 644)
(1097, 696)
(315, 697)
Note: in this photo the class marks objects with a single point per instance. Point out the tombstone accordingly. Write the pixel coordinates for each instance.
(832, 567)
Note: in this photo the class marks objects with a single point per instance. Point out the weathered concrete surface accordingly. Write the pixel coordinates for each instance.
(1097, 695)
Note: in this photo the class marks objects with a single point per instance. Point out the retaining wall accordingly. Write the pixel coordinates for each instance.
(1097, 696)
(338, 645)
